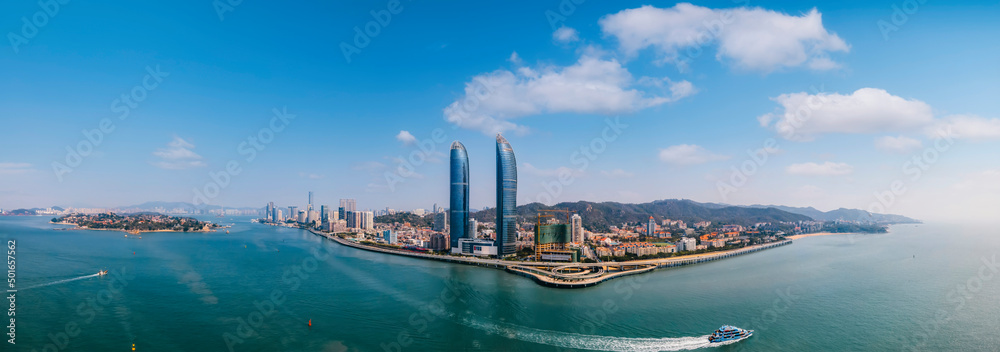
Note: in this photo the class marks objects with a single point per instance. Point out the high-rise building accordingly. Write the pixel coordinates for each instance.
(346, 205)
(366, 220)
(506, 230)
(324, 213)
(458, 206)
(293, 213)
(310, 201)
(352, 219)
(349, 204)
(651, 227)
(553, 235)
(278, 216)
(577, 228)
(441, 222)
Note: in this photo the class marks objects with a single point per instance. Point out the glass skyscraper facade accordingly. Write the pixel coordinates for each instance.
(506, 199)
(458, 211)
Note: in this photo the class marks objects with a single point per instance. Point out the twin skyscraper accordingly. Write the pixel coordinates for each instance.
(506, 217)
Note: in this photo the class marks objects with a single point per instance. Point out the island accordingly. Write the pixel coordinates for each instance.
(135, 223)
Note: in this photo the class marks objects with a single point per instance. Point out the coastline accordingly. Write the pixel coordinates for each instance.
(546, 273)
(78, 227)
(795, 237)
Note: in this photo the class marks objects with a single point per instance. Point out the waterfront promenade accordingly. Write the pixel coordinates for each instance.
(565, 275)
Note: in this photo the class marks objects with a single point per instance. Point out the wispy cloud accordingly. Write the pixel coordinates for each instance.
(179, 154)
(311, 176)
(565, 35)
(368, 166)
(15, 168)
(617, 173)
(825, 169)
(688, 154)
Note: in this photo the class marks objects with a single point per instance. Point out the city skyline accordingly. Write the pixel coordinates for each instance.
(601, 111)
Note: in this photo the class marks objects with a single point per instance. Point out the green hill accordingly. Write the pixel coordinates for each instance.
(600, 216)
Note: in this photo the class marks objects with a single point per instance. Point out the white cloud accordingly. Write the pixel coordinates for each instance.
(802, 116)
(688, 154)
(749, 38)
(966, 127)
(515, 59)
(617, 173)
(15, 168)
(590, 86)
(405, 137)
(900, 144)
(825, 169)
(565, 35)
(179, 154)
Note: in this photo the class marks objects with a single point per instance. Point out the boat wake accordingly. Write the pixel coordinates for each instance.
(592, 342)
(61, 281)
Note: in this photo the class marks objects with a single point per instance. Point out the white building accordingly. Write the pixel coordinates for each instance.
(366, 220)
(471, 246)
(687, 244)
(577, 228)
(473, 227)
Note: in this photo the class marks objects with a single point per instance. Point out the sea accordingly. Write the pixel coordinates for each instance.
(925, 287)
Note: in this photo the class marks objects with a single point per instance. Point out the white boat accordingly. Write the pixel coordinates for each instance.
(729, 333)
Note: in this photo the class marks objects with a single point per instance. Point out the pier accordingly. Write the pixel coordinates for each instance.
(561, 274)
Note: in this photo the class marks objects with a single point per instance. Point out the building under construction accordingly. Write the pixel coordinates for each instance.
(553, 235)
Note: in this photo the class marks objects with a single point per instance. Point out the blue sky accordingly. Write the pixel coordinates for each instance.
(695, 97)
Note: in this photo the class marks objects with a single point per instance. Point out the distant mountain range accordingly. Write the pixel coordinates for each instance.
(144, 207)
(604, 214)
(175, 205)
(844, 214)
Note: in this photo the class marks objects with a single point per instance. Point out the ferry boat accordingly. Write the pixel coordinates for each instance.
(729, 333)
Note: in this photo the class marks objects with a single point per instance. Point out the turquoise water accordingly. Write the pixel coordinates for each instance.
(896, 291)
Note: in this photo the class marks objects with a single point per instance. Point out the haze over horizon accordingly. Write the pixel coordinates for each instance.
(830, 107)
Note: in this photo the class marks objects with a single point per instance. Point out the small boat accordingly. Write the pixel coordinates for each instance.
(102, 272)
(729, 333)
